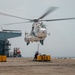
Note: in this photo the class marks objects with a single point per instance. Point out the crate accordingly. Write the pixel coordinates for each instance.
(44, 57)
(3, 58)
(0, 58)
(39, 58)
(48, 57)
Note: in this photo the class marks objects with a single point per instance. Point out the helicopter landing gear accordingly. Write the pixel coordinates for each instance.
(28, 42)
(41, 41)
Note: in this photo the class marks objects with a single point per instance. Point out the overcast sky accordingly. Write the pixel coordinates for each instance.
(61, 41)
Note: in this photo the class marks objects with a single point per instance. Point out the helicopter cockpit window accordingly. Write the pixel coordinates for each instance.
(43, 26)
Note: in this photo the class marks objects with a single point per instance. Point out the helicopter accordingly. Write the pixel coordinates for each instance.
(39, 30)
(38, 33)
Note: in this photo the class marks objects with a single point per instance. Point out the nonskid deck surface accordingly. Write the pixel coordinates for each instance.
(25, 66)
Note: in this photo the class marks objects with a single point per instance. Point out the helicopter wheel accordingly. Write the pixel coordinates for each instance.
(28, 42)
(41, 41)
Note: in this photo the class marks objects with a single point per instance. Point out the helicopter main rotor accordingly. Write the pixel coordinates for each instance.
(50, 10)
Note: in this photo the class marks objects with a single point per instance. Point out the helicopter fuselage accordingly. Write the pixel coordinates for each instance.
(38, 33)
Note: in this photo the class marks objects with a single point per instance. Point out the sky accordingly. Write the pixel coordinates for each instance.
(60, 42)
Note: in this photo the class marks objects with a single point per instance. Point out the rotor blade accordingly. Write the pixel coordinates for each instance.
(5, 14)
(17, 23)
(59, 19)
(51, 9)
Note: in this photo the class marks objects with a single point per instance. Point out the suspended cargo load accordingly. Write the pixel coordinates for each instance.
(43, 58)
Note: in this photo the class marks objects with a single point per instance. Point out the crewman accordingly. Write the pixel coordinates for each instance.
(35, 56)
